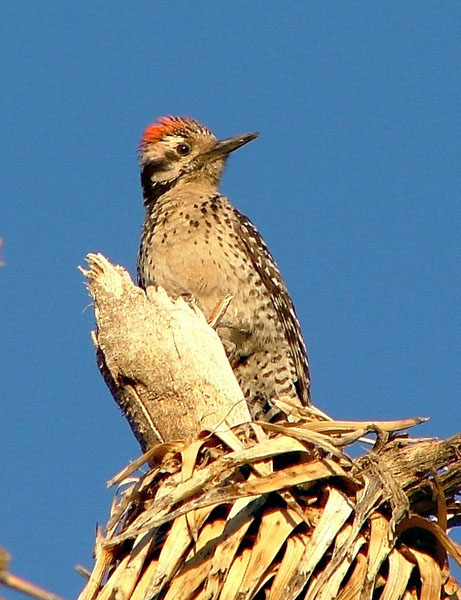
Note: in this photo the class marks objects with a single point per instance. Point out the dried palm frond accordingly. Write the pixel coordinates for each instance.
(279, 511)
(254, 511)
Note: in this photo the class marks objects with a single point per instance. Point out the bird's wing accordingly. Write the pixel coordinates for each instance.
(270, 275)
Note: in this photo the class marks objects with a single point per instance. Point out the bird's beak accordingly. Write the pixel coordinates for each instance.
(224, 147)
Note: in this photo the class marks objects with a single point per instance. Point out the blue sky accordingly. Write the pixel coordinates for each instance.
(354, 183)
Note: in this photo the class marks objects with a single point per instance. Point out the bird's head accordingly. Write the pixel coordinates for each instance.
(173, 148)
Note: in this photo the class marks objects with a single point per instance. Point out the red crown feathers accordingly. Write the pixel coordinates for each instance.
(170, 126)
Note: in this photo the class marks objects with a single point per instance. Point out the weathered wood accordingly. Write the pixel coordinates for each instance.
(163, 363)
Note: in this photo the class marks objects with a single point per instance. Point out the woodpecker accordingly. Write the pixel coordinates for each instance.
(196, 244)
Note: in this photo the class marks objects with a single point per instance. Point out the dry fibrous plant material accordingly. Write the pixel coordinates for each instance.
(282, 517)
(164, 365)
(219, 508)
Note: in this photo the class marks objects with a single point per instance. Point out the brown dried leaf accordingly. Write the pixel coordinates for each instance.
(141, 591)
(379, 544)
(178, 541)
(232, 585)
(338, 427)
(157, 452)
(189, 458)
(115, 581)
(197, 564)
(329, 581)
(302, 474)
(451, 588)
(450, 545)
(295, 548)
(400, 569)
(275, 527)
(104, 559)
(430, 574)
(352, 589)
(311, 437)
(239, 520)
(175, 546)
(336, 512)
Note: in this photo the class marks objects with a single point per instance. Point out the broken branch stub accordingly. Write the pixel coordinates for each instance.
(163, 363)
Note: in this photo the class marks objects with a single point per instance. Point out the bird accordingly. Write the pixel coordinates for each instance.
(197, 245)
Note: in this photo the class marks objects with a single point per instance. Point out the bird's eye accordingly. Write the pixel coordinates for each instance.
(183, 149)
